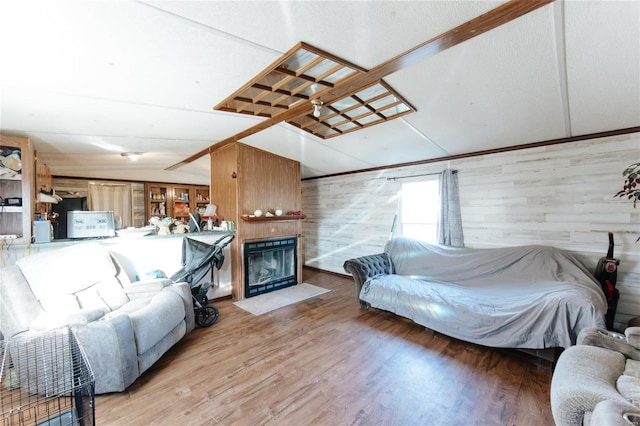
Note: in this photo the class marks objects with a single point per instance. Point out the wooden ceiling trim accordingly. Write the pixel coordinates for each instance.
(260, 76)
(330, 72)
(334, 58)
(302, 71)
(571, 139)
(496, 17)
(308, 78)
(397, 95)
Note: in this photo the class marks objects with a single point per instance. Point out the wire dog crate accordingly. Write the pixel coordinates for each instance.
(45, 380)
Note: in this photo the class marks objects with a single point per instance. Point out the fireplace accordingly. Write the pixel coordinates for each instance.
(269, 265)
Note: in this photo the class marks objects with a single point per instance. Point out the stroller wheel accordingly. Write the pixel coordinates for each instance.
(207, 315)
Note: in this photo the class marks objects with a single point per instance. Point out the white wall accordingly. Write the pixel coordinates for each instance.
(139, 256)
(559, 195)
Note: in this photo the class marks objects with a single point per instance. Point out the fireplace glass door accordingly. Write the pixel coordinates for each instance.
(269, 265)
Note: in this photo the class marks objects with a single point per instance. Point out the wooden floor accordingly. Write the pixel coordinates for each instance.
(325, 361)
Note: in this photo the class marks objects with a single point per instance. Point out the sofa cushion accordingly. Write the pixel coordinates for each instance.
(127, 308)
(66, 271)
(60, 303)
(632, 368)
(111, 292)
(629, 387)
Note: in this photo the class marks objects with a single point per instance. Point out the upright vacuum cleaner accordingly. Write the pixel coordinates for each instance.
(607, 274)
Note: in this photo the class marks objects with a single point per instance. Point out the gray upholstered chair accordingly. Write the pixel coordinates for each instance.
(123, 327)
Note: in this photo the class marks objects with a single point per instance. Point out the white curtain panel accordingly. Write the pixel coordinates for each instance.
(116, 198)
(450, 219)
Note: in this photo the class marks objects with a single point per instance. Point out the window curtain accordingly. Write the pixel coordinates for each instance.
(450, 219)
(116, 198)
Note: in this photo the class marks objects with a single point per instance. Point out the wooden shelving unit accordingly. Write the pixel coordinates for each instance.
(156, 197)
(16, 220)
(175, 200)
(201, 198)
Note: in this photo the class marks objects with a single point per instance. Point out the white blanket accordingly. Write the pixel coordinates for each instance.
(531, 297)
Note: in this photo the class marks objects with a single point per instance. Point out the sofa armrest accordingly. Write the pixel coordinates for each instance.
(633, 336)
(110, 347)
(146, 288)
(609, 340)
(577, 387)
(614, 413)
(365, 267)
(18, 304)
(184, 290)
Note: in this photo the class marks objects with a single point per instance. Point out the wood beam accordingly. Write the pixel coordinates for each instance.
(501, 15)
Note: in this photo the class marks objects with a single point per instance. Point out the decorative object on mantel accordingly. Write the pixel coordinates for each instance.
(253, 218)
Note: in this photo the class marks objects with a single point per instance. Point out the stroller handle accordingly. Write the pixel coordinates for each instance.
(225, 240)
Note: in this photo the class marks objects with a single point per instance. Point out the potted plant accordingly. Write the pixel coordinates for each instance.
(631, 188)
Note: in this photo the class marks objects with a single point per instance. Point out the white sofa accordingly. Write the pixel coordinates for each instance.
(597, 382)
(527, 297)
(123, 327)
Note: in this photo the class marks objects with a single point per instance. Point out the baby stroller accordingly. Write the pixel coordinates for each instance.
(198, 258)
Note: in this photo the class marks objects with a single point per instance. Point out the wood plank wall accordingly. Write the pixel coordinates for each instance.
(560, 195)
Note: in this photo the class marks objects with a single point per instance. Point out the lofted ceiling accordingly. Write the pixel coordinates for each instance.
(87, 81)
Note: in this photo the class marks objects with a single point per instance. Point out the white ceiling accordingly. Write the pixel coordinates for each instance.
(87, 80)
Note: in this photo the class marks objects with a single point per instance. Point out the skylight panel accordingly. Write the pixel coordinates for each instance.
(307, 74)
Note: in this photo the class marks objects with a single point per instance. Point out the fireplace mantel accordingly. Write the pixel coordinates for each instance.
(249, 218)
(243, 179)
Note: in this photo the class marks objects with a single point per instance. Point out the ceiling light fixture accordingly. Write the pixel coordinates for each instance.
(132, 156)
(317, 103)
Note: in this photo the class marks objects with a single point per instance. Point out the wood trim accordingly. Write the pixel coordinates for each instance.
(494, 18)
(248, 218)
(331, 57)
(628, 130)
(261, 75)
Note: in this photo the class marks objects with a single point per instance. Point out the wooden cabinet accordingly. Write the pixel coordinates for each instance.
(175, 200)
(201, 198)
(156, 196)
(16, 187)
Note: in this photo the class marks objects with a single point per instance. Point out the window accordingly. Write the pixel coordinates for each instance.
(419, 208)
